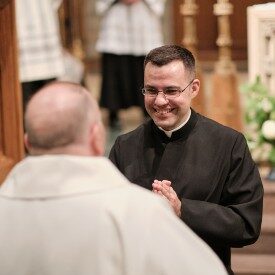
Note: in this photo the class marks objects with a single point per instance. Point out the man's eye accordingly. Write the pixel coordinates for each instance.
(171, 91)
(152, 91)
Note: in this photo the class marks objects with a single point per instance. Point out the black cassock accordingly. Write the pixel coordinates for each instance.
(212, 172)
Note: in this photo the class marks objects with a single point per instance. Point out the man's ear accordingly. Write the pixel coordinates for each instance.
(195, 87)
(27, 142)
(97, 139)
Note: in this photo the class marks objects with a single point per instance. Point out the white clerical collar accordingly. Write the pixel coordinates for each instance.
(169, 133)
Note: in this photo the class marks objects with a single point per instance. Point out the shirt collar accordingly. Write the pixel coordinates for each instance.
(60, 175)
(169, 133)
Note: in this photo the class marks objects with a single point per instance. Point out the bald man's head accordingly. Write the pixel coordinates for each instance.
(61, 116)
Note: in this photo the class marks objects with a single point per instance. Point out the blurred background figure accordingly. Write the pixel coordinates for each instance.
(128, 30)
(40, 49)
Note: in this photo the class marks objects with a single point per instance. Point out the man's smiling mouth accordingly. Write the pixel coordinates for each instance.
(163, 112)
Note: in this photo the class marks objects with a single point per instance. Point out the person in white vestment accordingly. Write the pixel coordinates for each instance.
(40, 51)
(66, 209)
(128, 30)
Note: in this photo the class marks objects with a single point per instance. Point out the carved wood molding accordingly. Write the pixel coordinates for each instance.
(3, 3)
(71, 25)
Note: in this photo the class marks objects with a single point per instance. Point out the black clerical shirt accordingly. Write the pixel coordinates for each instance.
(212, 172)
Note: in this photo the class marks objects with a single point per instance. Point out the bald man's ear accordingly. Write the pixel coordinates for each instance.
(195, 87)
(27, 142)
(97, 139)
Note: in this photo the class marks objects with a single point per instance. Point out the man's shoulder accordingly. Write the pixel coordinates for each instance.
(211, 126)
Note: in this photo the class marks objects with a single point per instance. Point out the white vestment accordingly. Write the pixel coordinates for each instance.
(39, 41)
(63, 215)
(130, 29)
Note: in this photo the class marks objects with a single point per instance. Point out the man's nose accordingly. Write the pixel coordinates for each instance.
(161, 98)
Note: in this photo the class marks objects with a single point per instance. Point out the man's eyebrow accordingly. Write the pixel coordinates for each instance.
(166, 87)
(150, 86)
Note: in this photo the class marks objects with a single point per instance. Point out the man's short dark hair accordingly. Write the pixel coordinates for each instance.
(165, 54)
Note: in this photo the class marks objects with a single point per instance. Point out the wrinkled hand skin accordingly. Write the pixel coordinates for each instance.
(164, 188)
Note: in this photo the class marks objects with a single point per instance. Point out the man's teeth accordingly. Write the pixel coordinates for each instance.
(163, 112)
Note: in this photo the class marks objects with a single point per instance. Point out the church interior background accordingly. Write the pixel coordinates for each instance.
(233, 41)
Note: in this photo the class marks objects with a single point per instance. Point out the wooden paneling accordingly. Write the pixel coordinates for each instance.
(207, 28)
(11, 122)
(3, 3)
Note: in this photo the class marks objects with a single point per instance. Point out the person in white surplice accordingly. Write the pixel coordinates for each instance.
(40, 51)
(67, 210)
(128, 30)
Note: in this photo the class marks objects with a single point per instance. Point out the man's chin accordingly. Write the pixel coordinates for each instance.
(164, 124)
